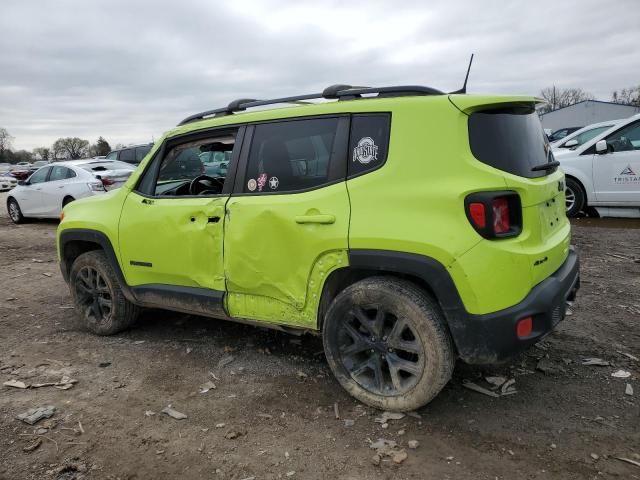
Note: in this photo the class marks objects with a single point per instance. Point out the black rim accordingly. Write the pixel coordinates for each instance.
(380, 350)
(93, 294)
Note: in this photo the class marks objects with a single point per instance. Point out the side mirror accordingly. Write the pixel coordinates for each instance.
(571, 143)
(23, 183)
(601, 146)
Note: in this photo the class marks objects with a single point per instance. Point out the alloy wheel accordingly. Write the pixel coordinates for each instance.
(380, 350)
(570, 198)
(14, 211)
(94, 295)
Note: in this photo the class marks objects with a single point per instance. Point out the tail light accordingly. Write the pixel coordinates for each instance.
(495, 214)
(107, 182)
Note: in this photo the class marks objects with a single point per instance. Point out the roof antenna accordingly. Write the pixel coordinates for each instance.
(464, 87)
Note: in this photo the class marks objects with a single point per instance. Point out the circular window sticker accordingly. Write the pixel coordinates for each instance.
(365, 151)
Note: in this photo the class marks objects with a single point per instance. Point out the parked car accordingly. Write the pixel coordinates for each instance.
(22, 166)
(5, 167)
(38, 164)
(20, 173)
(561, 133)
(604, 172)
(7, 182)
(132, 154)
(45, 193)
(577, 138)
(343, 218)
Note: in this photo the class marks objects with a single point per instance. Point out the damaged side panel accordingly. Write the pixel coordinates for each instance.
(278, 249)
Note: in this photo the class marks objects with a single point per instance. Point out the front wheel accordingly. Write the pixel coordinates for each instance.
(387, 344)
(15, 214)
(97, 295)
(574, 198)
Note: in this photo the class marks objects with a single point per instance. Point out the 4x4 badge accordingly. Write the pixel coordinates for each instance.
(366, 151)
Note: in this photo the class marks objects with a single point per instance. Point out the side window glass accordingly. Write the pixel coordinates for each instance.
(128, 155)
(112, 156)
(141, 152)
(625, 139)
(206, 160)
(368, 142)
(40, 175)
(290, 156)
(70, 173)
(58, 173)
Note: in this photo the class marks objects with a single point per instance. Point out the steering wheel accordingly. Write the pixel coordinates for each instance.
(206, 185)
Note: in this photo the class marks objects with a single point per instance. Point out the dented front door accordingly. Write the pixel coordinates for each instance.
(173, 241)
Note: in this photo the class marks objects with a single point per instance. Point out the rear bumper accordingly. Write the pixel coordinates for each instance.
(491, 338)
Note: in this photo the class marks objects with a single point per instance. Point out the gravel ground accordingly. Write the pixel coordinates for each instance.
(272, 412)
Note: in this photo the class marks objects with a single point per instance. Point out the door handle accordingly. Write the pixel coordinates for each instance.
(61, 186)
(323, 219)
(146, 201)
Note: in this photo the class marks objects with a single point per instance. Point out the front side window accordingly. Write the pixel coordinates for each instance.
(112, 156)
(194, 168)
(588, 135)
(291, 155)
(625, 139)
(40, 175)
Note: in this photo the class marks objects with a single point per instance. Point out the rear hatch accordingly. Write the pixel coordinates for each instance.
(505, 133)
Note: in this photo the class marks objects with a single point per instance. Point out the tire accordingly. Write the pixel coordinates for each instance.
(575, 197)
(97, 295)
(377, 328)
(66, 201)
(15, 213)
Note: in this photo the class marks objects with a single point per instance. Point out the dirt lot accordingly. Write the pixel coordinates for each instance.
(275, 394)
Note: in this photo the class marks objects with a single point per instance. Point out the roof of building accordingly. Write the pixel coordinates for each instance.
(593, 101)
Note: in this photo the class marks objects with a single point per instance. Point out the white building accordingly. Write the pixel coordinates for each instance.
(585, 113)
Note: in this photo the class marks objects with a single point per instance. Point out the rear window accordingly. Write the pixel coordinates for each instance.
(108, 165)
(510, 140)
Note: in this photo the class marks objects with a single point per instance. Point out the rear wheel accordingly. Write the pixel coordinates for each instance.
(387, 344)
(15, 214)
(97, 295)
(574, 198)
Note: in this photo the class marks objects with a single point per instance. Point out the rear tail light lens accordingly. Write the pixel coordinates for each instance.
(477, 214)
(107, 181)
(495, 214)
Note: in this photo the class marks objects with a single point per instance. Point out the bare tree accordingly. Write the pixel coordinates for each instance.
(43, 153)
(562, 97)
(627, 96)
(5, 143)
(70, 148)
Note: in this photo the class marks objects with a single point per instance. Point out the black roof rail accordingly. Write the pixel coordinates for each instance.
(339, 92)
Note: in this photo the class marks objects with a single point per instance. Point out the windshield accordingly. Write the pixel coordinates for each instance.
(511, 140)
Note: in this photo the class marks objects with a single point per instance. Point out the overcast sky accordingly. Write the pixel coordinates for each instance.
(129, 70)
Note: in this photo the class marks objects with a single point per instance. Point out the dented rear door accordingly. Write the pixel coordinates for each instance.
(289, 210)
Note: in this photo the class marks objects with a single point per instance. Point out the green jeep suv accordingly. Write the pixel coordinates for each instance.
(407, 226)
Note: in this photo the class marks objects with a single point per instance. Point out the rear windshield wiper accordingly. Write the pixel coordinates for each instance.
(546, 166)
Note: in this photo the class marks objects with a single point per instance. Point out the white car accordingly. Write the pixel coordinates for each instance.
(50, 188)
(7, 182)
(579, 137)
(604, 172)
